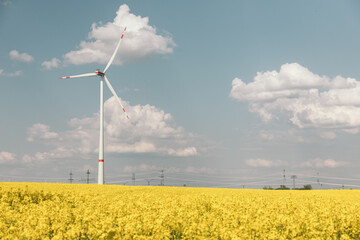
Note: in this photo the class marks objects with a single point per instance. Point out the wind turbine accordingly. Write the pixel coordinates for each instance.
(102, 78)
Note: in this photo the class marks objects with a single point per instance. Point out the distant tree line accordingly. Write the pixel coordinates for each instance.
(283, 187)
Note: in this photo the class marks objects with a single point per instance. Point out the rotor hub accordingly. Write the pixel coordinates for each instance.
(99, 73)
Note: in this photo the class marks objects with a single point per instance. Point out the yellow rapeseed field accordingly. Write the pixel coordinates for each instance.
(79, 211)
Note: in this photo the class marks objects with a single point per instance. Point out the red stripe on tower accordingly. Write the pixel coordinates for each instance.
(101, 160)
(67, 77)
(124, 109)
(125, 29)
(122, 36)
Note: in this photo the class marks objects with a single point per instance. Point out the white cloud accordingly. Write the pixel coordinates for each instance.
(305, 99)
(22, 57)
(149, 130)
(190, 151)
(259, 162)
(320, 163)
(291, 81)
(141, 41)
(137, 147)
(1, 71)
(53, 63)
(40, 131)
(7, 158)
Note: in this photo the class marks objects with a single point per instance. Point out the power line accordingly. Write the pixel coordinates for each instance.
(209, 180)
(124, 181)
(225, 177)
(327, 177)
(224, 184)
(256, 183)
(331, 184)
(127, 175)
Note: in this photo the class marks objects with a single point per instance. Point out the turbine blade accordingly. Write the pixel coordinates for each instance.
(113, 56)
(80, 75)
(116, 96)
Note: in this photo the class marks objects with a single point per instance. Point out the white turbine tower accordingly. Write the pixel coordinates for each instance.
(102, 78)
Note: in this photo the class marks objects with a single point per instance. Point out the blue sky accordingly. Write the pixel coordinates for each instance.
(241, 89)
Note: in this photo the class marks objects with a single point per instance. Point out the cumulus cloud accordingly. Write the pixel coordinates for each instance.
(53, 63)
(305, 99)
(149, 130)
(259, 162)
(321, 163)
(7, 158)
(184, 152)
(141, 41)
(22, 57)
(40, 131)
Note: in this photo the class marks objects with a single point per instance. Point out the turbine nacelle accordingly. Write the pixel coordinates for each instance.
(99, 73)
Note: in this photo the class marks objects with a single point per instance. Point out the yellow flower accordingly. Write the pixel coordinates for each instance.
(78, 211)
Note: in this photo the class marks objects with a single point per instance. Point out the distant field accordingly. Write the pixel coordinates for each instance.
(72, 211)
